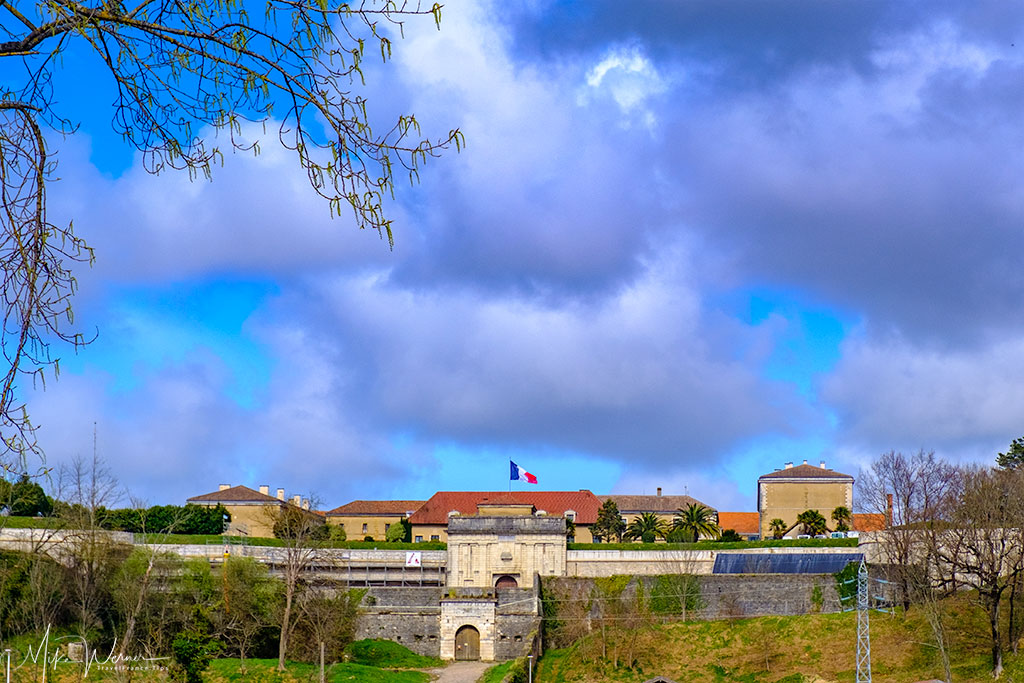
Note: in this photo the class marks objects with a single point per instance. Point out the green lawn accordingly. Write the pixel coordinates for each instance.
(497, 673)
(715, 545)
(31, 522)
(278, 543)
(265, 671)
(386, 654)
(231, 670)
(208, 539)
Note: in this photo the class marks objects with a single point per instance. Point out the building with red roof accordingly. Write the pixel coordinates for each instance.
(430, 521)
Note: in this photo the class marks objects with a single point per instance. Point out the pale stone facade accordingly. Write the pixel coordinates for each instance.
(785, 493)
(482, 550)
(478, 613)
(371, 518)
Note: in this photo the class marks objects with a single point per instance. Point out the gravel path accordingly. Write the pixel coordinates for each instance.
(461, 672)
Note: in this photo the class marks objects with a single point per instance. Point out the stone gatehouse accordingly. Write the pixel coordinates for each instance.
(489, 608)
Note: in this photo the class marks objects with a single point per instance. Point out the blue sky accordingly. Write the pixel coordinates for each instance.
(685, 244)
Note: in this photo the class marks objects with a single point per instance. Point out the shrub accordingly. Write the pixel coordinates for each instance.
(395, 534)
(192, 650)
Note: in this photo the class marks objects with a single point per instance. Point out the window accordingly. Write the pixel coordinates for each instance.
(419, 539)
(570, 515)
(386, 527)
(435, 538)
(364, 528)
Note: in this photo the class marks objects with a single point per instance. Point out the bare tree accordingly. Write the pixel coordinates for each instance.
(139, 576)
(179, 69)
(248, 597)
(910, 492)
(304, 534)
(983, 545)
(88, 551)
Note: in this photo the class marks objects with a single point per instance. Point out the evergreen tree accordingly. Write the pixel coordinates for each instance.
(609, 525)
(1014, 457)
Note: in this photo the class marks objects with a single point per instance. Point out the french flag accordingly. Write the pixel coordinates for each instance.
(519, 474)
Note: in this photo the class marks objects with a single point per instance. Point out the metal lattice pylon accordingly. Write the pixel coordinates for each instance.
(863, 632)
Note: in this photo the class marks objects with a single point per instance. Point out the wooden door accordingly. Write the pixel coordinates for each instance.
(467, 643)
(506, 582)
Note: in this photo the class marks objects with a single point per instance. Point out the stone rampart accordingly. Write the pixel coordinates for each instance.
(721, 596)
(598, 563)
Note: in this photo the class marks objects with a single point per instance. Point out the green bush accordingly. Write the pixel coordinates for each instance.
(395, 534)
(163, 519)
(27, 499)
(192, 651)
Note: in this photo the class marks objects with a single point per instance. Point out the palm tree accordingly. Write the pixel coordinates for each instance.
(813, 522)
(646, 527)
(696, 520)
(778, 528)
(841, 516)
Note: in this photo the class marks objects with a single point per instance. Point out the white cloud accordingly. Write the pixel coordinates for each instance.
(891, 394)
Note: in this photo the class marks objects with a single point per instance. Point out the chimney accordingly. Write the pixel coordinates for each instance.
(224, 487)
(280, 494)
(888, 510)
(789, 465)
(297, 500)
(659, 490)
(305, 503)
(822, 464)
(265, 490)
(805, 462)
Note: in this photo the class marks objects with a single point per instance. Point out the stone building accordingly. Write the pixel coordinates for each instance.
(362, 518)
(430, 521)
(252, 512)
(785, 493)
(665, 507)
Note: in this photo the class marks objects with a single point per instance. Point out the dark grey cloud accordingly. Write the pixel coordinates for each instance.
(754, 42)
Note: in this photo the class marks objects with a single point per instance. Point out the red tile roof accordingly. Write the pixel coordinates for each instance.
(805, 472)
(369, 508)
(740, 522)
(234, 494)
(435, 511)
(868, 522)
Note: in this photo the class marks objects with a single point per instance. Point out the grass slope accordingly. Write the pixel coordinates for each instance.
(388, 655)
(265, 671)
(797, 649)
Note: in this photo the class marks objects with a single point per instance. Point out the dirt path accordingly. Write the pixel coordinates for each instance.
(461, 672)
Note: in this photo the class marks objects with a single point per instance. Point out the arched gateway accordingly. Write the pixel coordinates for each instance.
(467, 643)
(506, 581)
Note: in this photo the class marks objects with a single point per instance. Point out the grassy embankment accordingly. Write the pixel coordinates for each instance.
(208, 539)
(370, 661)
(798, 649)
